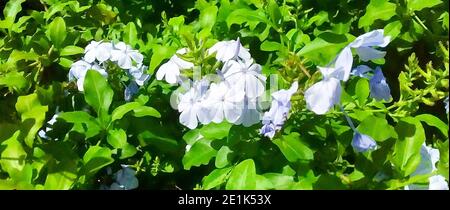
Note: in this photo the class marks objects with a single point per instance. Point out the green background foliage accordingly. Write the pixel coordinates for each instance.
(97, 130)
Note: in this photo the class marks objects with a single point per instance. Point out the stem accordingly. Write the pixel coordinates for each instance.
(347, 118)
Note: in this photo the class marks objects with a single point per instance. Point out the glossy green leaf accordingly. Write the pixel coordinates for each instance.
(12, 158)
(431, 120)
(377, 128)
(120, 111)
(243, 176)
(57, 31)
(292, 148)
(362, 91)
(216, 178)
(97, 92)
(71, 50)
(96, 158)
(32, 115)
(417, 5)
(146, 111)
(199, 154)
(411, 136)
(12, 8)
(223, 157)
(117, 138)
(377, 10)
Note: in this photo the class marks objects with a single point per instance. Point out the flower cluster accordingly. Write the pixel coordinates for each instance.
(232, 98)
(427, 165)
(124, 179)
(323, 95)
(97, 56)
(274, 119)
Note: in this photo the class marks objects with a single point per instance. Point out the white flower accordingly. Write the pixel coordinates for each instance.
(229, 50)
(125, 56)
(245, 76)
(97, 50)
(364, 45)
(223, 102)
(250, 114)
(79, 69)
(190, 105)
(171, 70)
(324, 94)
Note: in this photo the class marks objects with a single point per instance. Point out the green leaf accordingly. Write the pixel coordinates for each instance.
(411, 136)
(12, 158)
(215, 178)
(208, 16)
(159, 54)
(57, 31)
(71, 50)
(435, 122)
(97, 92)
(120, 111)
(292, 148)
(262, 183)
(377, 10)
(61, 176)
(377, 128)
(243, 176)
(280, 181)
(96, 158)
(417, 5)
(130, 33)
(128, 151)
(216, 131)
(83, 122)
(393, 29)
(223, 157)
(32, 114)
(270, 46)
(117, 138)
(362, 91)
(199, 154)
(12, 8)
(274, 12)
(146, 111)
(322, 51)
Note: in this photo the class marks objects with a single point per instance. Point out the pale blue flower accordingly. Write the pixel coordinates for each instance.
(363, 143)
(79, 69)
(268, 129)
(138, 74)
(250, 114)
(274, 119)
(100, 51)
(191, 105)
(362, 71)
(365, 44)
(125, 56)
(125, 179)
(379, 89)
(171, 70)
(130, 91)
(229, 50)
(446, 104)
(429, 157)
(245, 75)
(323, 95)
